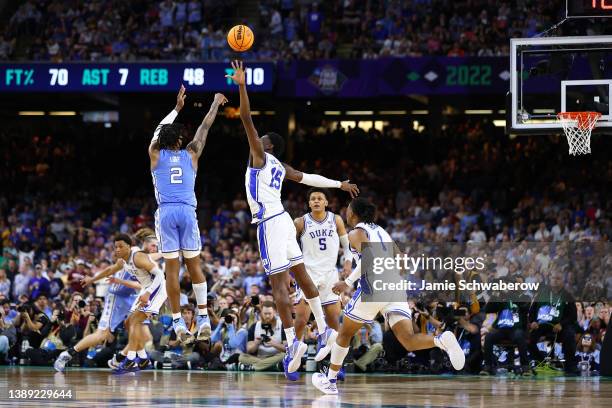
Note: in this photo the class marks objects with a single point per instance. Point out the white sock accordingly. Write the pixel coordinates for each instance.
(438, 343)
(317, 311)
(338, 354)
(131, 355)
(202, 312)
(290, 335)
(200, 290)
(142, 354)
(176, 316)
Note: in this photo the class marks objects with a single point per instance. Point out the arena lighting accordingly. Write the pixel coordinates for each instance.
(544, 111)
(330, 113)
(359, 112)
(269, 113)
(393, 112)
(502, 111)
(478, 112)
(62, 113)
(499, 122)
(31, 113)
(420, 112)
(255, 113)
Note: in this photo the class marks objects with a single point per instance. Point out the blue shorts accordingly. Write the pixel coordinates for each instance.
(116, 310)
(176, 227)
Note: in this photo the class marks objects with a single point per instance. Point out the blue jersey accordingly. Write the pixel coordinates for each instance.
(121, 290)
(174, 178)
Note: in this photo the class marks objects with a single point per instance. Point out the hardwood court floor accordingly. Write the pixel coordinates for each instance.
(97, 387)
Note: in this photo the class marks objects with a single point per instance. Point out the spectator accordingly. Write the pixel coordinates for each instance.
(5, 284)
(266, 340)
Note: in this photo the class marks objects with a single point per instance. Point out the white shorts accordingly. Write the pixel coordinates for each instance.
(156, 300)
(325, 283)
(278, 246)
(365, 312)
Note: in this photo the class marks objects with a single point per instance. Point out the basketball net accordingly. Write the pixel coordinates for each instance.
(578, 127)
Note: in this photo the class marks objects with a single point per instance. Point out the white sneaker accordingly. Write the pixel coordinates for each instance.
(62, 359)
(325, 341)
(447, 342)
(295, 352)
(204, 330)
(320, 381)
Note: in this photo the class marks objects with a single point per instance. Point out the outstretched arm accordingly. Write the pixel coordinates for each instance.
(196, 146)
(180, 102)
(257, 151)
(314, 180)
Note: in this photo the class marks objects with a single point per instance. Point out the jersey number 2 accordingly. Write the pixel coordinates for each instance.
(175, 175)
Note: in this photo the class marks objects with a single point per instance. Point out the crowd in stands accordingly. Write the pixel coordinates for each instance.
(194, 30)
(470, 183)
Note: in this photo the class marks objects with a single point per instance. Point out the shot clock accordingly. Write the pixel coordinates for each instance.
(589, 8)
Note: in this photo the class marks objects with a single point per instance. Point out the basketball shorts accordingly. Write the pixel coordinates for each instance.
(324, 281)
(116, 310)
(365, 312)
(176, 227)
(278, 246)
(156, 300)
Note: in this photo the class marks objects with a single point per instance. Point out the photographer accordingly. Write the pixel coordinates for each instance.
(553, 313)
(8, 332)
(467, 330)
(34, 326)
(74, 320)
(505, 322)
(225, 337)
(266, 340)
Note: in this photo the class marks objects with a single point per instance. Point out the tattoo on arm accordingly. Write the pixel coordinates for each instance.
(199, 140)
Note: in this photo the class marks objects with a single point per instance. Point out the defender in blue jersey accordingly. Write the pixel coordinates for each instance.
(174, 172)
(276, 233)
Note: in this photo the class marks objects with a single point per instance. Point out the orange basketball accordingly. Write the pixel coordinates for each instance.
(240, 38)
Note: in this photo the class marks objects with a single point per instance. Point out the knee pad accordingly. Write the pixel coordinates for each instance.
(170, 255)
(394, 318)
(190, 254)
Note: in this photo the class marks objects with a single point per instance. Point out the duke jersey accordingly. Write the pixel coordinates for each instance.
(263, 187)
(174, 178)
(320, 243)
(374, 232)
(144, 277)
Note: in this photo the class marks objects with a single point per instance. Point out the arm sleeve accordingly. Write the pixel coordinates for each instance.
(314, 180)
(355, 275)
(346, 247)
(165, 121)
(157, 280)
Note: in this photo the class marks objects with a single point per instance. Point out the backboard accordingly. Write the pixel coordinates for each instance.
(558, 74)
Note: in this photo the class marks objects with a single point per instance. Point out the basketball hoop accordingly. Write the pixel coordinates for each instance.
(578, 127)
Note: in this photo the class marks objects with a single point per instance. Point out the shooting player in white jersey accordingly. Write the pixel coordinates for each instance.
(276, 232)
(320, 233)
(360, 215)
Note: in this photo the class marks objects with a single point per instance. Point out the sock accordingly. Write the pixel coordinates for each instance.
(317, 311)
(71, 351)
(438, 343)
(290, 335)
(176, 316)
(131, 355)
(120, 357)
(142, 354)
(200, 291)
(338, 354)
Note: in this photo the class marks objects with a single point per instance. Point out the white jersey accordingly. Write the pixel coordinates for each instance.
(263, 188)
(144, 277)
(375, 234)
(320, 244)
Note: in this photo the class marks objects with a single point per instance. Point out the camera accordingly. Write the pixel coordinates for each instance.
(228, 319)
(25, 309)
(254, 300)
(267, 327)
(265, 338)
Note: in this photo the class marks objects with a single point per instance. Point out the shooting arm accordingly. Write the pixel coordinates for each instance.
(154, 145)
(196, 146)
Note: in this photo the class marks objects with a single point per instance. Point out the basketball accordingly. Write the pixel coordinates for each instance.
(240, 38)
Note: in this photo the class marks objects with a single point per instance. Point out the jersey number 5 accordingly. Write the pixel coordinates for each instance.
(276, 178)
(175, 175)
(322, 244)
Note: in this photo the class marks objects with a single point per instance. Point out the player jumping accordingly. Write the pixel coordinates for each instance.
(174, 172)
(360, 216)
(276, 234)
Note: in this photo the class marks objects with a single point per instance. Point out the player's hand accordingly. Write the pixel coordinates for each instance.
(220, 99)
(120, 263)
(238, 77)
(180, 99)
(143, 299)
(340, 287)
(112, 280)
(350, 188)
(86, 281)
